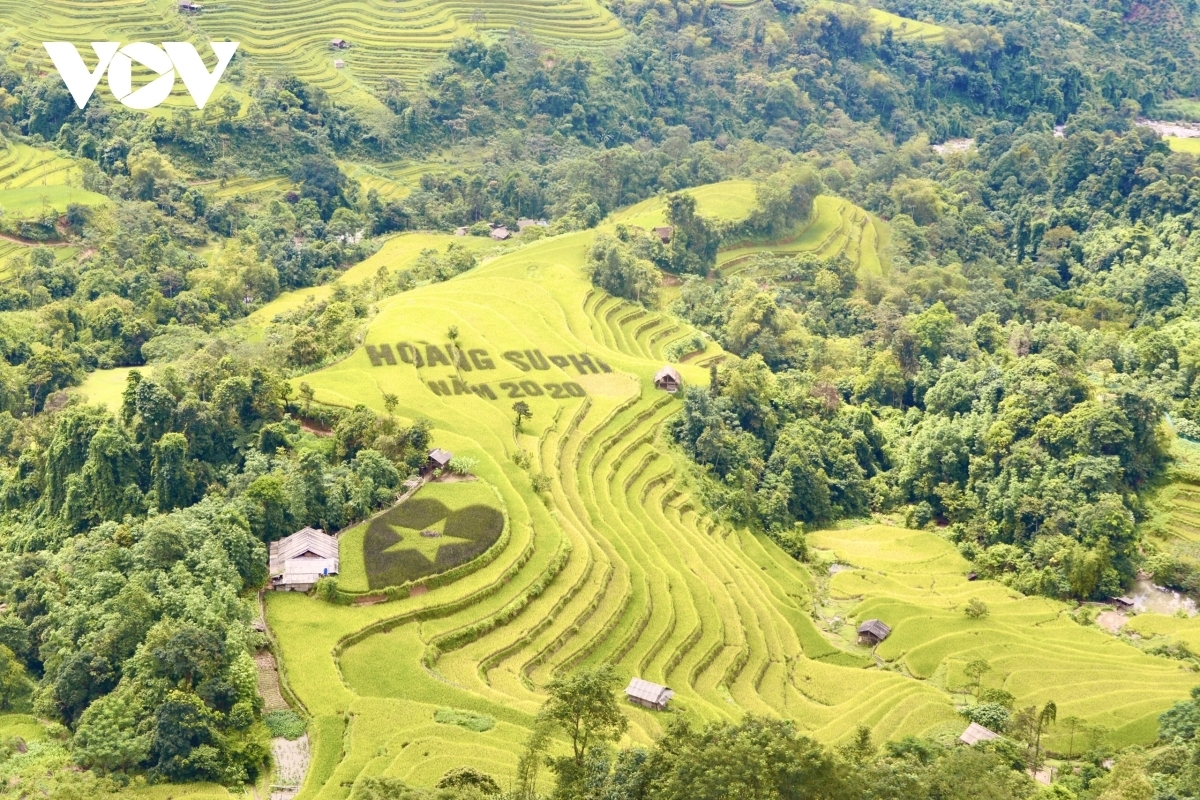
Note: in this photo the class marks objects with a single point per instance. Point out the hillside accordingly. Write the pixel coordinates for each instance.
(423, 275)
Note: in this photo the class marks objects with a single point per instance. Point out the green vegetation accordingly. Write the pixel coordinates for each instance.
(1033, 650)
(217, 327)
(1180, 144)
(400, 546)
(464, 719)
(287, 724)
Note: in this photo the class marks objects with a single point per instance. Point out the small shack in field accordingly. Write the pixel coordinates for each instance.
(1123, 603)
(298, 561)
(976, 733)
(188, 7)
(872, 632)
(668, 379)
(648, 695)
(500, 233)
(438, 459)
(663, 232)
(339, 44)
(525, 222)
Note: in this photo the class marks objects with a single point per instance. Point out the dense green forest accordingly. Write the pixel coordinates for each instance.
(1004, 381)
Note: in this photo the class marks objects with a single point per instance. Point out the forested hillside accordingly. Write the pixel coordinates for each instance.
(921, 264)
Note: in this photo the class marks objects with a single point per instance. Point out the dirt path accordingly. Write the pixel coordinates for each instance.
(268, 682)
(1112, 621)
(291, 758)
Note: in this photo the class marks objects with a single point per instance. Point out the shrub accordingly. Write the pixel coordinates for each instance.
(793, 542)
(677, 350)
(998, 697)
(463, 719)
(327, 589)
(976, 608)
(469, 778)
(287, 724)
(992, 716)
(541, 483)
(463, 465)
(1188, 429)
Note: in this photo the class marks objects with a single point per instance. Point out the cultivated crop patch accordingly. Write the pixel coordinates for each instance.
(916, 582)
(480, 723)
(425, 536)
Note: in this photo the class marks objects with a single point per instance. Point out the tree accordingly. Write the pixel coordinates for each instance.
(390, 401)
(306, 393)
(975, 670)
(976, 608)
(322, 181)
(1072, 722)
(785, 199)
(14, 685)
(755, 759)
(584, 707)
(1029, 723)
(1162, 286)
(614, 267)
(694, 240)
(173, 483)
(523, 412)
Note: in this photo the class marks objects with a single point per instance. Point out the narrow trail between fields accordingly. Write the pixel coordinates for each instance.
(290, 758)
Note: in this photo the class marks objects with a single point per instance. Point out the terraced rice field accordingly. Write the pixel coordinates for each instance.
(23, 166)
(907, 29)
(916, 582)
(1181, 502)
(1183, 145)
(34, 178)
(81, 21)
(618, 563)
(728, 200)
(9, 249)
(390, 39)
(837, 227)
(105, 387)
(396, 254)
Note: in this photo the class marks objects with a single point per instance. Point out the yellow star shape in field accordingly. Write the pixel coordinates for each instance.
(411, 539)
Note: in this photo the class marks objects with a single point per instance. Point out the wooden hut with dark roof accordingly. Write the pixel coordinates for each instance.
(648, 695)
(872, 632)
(668, 379)
(438, 459)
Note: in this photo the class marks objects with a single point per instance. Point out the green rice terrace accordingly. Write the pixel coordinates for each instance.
(617, 562)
